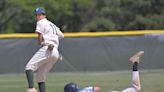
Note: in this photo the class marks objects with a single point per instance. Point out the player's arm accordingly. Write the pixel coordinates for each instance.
(39, 30)
(41, 41)
(40, 38)
(60, 34)
(96, 89)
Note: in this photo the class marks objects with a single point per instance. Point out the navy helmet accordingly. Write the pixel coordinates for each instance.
(71, 87)
(39, 10)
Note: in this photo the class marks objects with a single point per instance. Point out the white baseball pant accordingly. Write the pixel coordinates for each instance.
(42, 62)
(136, 86)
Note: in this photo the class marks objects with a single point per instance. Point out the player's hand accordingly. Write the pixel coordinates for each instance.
(50, 47)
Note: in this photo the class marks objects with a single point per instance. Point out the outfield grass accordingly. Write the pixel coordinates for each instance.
(151, 81)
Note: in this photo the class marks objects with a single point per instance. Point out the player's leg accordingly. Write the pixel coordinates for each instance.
(36, 61)
(29, 75)
(136, 86)
(135, 72)
(42, 72)
(41, 75)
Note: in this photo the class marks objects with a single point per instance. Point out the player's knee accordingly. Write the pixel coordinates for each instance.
(97, 89)
(137, 86)
(40, 79)
(138, 89)
(30, 67)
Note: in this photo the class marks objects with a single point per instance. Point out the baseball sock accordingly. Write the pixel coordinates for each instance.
(29, 75)
(135, 73)
(41, 86)
(135, 66)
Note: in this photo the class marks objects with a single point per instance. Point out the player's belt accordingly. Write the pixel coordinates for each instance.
(48, 44)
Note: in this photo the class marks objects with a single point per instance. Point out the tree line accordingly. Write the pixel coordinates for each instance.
(17, 16)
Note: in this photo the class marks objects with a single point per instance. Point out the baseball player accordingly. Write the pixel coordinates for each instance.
(136, 86)
(44, 59)
(72, 87)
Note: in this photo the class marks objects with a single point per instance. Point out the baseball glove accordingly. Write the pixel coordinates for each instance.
(50, 47)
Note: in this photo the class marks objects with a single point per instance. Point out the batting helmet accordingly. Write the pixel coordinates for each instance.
(71, 87)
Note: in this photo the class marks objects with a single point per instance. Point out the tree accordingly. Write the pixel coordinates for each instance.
(83, 15)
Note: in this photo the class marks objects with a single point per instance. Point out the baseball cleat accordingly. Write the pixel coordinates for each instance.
(31, 90)
(136, 57)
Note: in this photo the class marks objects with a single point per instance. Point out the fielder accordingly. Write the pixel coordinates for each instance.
(136, 86)
(44, 59)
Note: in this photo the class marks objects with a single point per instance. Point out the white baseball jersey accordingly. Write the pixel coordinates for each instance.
(87, 89)
(51, 33)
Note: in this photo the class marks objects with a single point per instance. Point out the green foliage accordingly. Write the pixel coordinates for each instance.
(99, 24)
(83, 15)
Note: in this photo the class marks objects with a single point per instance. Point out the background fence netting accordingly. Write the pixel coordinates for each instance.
(86, 53)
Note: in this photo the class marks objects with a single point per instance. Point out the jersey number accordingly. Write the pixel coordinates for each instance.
(53, 28)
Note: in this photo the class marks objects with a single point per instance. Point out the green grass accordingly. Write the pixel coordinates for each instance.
(151, 81)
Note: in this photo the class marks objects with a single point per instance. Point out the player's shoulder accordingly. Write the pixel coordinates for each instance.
(54, 25)
(42, 22)
(50, 22)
